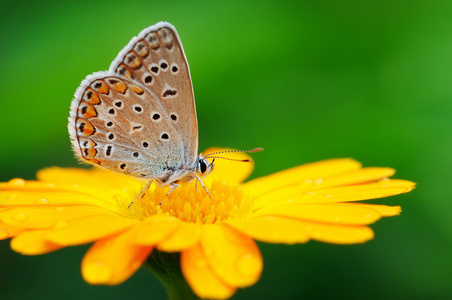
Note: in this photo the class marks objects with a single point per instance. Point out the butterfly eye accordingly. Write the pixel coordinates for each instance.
(202, 166)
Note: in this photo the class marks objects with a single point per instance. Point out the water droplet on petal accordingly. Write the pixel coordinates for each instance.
(306, 183)
(12, 197)
(60, 224)
(41, 201)
(17, 182)
(4, 233)
(20, 217)
(318, 181)
(311, 194)
(248, 264)
(58, 209)
(327, 197)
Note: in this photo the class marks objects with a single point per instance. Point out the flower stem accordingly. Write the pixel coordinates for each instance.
(166, 267)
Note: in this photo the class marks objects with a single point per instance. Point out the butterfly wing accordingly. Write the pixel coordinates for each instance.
(156, 59)
(139, 118)
(117, 124)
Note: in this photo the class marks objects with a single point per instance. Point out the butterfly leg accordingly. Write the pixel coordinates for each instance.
(204, 187)
(141, 193)
(173, 186)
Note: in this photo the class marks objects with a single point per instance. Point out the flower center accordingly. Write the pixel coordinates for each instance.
(192, 204)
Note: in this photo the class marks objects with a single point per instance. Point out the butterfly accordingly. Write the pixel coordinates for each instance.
(139, 117)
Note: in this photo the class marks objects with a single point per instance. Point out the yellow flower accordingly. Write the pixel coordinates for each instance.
(215, 236)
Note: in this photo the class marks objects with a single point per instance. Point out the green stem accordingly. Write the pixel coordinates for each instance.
(166, 267)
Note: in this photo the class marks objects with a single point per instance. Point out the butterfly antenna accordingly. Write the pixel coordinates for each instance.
(213, 155)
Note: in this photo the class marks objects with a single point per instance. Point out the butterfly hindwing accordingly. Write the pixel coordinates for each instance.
(121, 126)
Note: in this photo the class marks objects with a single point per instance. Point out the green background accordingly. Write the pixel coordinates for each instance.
(306, 80)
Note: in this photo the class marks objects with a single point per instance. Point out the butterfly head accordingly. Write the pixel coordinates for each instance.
(203, 166)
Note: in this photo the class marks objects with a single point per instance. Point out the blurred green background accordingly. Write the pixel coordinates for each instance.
(306, 80)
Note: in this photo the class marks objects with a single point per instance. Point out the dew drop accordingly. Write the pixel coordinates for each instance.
(60, 224)
(306, 183)
(41, 201)
(318, 181)
(12, 197)
(311, 194)
(59, 209)
(17, 182)
(20, 217)
(328, 197)
(248, 264)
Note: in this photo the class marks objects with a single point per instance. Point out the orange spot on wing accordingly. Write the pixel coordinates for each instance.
(91, 96)
(133, 61)
(93, 160)
(137, 90)
(86, 110)
(103, 88)
(90, 152)
(120, 87)
(85, 128)
(124, 71)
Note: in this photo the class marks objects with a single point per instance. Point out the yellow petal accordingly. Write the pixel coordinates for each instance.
(380, 189)
(87, 178)
(233, 256)
(42, 194)
(314, 184)
(47, 216)
(88, 229)
(33, 243)
(230, 171)
(384, 210)
(113, 260)
(7, 231)
(335, 213)
(272, 229)
(185, 236)
(201, 278)
(300, 174)
(154, 229)
(338, 234)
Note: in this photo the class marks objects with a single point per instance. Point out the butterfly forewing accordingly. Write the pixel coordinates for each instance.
(121, 126)
(156, 60)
